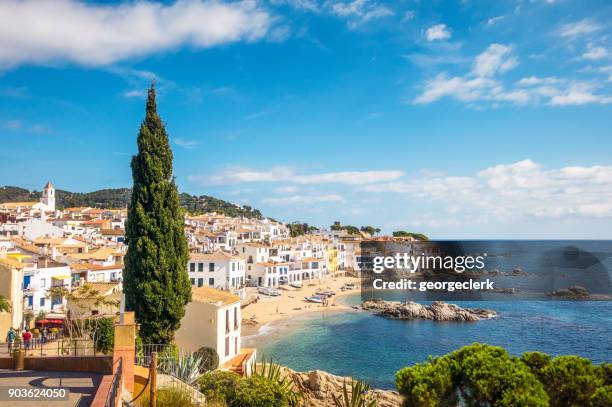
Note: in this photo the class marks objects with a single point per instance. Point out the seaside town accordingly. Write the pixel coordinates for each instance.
(62, 266)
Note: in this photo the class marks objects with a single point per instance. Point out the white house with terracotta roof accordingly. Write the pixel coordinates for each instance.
(213, 319)
(219, 270)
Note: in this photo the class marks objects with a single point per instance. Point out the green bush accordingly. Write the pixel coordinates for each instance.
(428, 384)
(602, 397)
(220, 385)
(571, 381)
(492, 376)
(484, 375)
(481, 375)
(257, 391)
(105, 335)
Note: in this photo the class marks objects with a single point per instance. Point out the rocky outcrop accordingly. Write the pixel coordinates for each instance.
(437, 311)
(318, 386)
(574, 292)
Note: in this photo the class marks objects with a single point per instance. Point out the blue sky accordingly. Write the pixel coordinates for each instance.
(467, 119)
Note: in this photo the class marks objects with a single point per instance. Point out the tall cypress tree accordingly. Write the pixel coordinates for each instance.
(156, 282)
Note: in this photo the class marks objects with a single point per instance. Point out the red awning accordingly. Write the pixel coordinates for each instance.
(50, 321)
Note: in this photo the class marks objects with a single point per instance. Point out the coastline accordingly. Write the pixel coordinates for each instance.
(291, 303)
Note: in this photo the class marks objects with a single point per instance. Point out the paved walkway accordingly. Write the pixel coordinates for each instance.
(82, 386)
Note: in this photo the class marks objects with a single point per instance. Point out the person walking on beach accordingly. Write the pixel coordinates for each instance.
(10, 338)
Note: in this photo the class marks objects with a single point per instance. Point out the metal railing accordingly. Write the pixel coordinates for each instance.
(59, 346)
(39, 342)
(167, 360)
(115, 389)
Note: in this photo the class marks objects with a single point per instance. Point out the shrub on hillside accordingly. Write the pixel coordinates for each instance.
(481, 375)
(428, 384)
(220, 385)
(257, 391)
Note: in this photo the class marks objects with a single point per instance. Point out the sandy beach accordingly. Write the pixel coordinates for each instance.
(291, 303)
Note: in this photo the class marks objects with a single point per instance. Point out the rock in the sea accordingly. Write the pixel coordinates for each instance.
(318, 386)
(574, 292)
(437, 311)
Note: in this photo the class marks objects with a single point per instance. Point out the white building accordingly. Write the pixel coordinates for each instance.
(253, 252)
(213, 319)
(37, 282)
(48, 197)
(218, 270)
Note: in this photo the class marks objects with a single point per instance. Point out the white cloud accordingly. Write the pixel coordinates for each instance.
(48, 31)
(188, 144)
(438, 32)
(303, 199)
(510, 191)
(595, 53)
(579, 28)
(278, 174)
(460, 88)
(136, 93)
(495, 20)
(497, 58)
(360, 11)
(579, 94)
(482, 84)
(535, 80)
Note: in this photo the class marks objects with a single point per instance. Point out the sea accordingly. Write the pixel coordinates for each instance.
(372, 348)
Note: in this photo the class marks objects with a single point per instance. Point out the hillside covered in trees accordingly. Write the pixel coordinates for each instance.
(119, 198)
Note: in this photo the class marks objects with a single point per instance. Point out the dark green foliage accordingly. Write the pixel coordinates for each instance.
(267, 386)
(370, 230)
(483, 375)
(300, 229)
(16, 194)
(602, 397)
(428, 384)
(272, 372)
(536, 361)
(104, 334)
(201, 204)
(120, 197)
(257, 391)
(494, 377)
(156, 282)
(571, 381)
(351, 230)
(220, 385)
(403, 233)
(210, 358)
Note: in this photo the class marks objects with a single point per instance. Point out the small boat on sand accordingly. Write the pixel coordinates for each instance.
(272, 292)
(314, 298)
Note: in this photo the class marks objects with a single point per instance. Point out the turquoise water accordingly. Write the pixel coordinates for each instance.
(373, 348)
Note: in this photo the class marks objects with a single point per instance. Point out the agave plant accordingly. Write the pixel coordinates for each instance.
(359, 396)
(186, 367)
(273, 372)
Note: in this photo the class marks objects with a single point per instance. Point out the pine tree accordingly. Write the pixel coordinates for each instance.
(156, 282)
